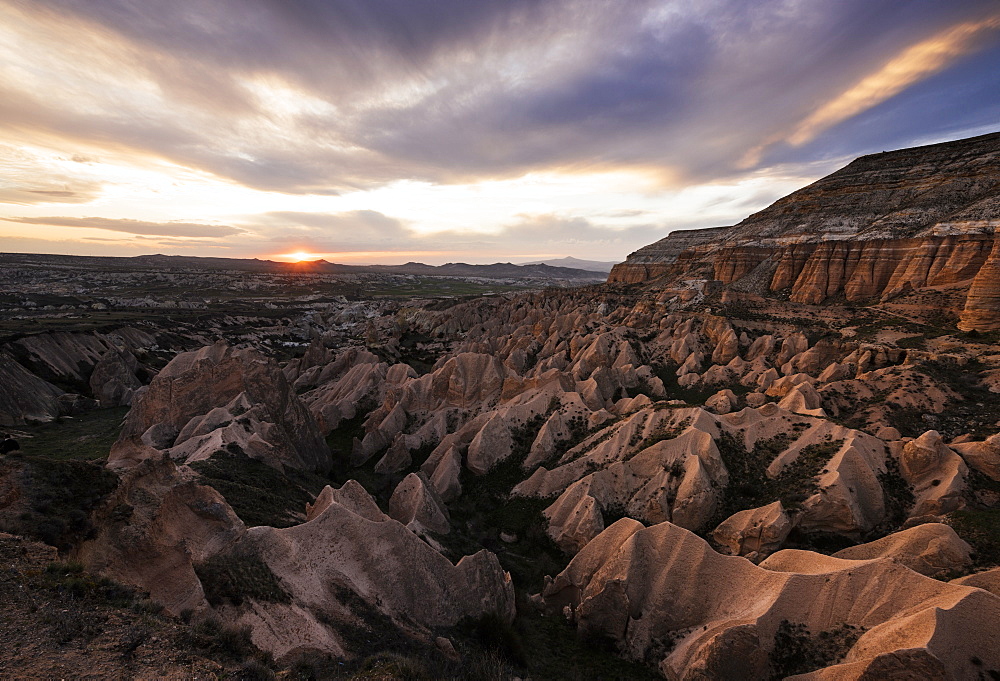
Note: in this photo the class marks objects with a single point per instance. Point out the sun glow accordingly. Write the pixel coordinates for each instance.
(299, 256)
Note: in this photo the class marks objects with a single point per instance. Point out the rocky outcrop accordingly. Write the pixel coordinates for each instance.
(936, 473)
(755, 533)
(948, 187)
(884, 225)
(416, 504)
(155, 527)
(219, 398)
(25, 397)
(658, 259)
(982, 306)
(663, 594)
(342, 562)
(113, 381)
(932, 549)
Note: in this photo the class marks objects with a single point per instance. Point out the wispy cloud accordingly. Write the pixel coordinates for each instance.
(181, 229)
(912, 65)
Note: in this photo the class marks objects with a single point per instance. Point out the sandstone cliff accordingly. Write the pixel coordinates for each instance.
(884, 225)
(661, 258)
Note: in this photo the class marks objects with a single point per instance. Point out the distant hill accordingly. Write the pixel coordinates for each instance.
(495, 271)
(576, 263)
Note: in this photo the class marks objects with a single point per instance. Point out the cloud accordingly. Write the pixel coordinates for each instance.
(364, 233)
(23, 196)
(328, 97)
(913, 64)
(180, 229)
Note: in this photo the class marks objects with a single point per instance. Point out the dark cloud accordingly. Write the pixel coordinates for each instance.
(453, 90)
(181, 229)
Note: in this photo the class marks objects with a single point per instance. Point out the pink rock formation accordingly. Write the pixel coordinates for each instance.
(155, 527)
(932, 549)
(220, 395)
(641, 587)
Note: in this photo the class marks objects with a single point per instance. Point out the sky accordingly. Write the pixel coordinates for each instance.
(478, 131)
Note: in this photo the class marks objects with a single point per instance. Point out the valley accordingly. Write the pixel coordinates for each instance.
(763, 451)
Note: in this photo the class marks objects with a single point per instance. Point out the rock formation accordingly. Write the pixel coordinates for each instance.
(25, 397)
(883, 225)
(216, 398)
(662, 592)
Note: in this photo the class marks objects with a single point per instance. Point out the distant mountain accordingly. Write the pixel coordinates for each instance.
(495, 271)
(576, 263)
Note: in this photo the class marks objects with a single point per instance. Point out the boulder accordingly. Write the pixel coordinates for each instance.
(755, 532)
(722, 402)
(491, 445)
(937, 474)
(982, 456)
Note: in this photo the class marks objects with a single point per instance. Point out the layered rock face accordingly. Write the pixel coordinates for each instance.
(660, 258)
(884, 225)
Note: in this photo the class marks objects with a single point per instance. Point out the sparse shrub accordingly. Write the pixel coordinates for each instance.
(70, 579)
(495, 633)
(226, 641)
(981, 529)
(233, 576)
(798, 651)
(147, 606)
(396, 666)
(253, 670)
(136, 637)
(60, 496)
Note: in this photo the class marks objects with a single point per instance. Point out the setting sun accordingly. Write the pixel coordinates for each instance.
(300, 256)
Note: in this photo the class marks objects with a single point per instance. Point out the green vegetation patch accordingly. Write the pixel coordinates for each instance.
(259, 494)
(799, 651)
(85, 437)
(897, 496)
(231, 643)
(750, 487)
(236, 575)
(974, 414)
(663, 431)
(981, 529)
(379, 485)
(554, 649)
(59, 496)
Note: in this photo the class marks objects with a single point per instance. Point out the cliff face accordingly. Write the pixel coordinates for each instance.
(939, 189)
(860, 270)
(661, 258)
(883, 225)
